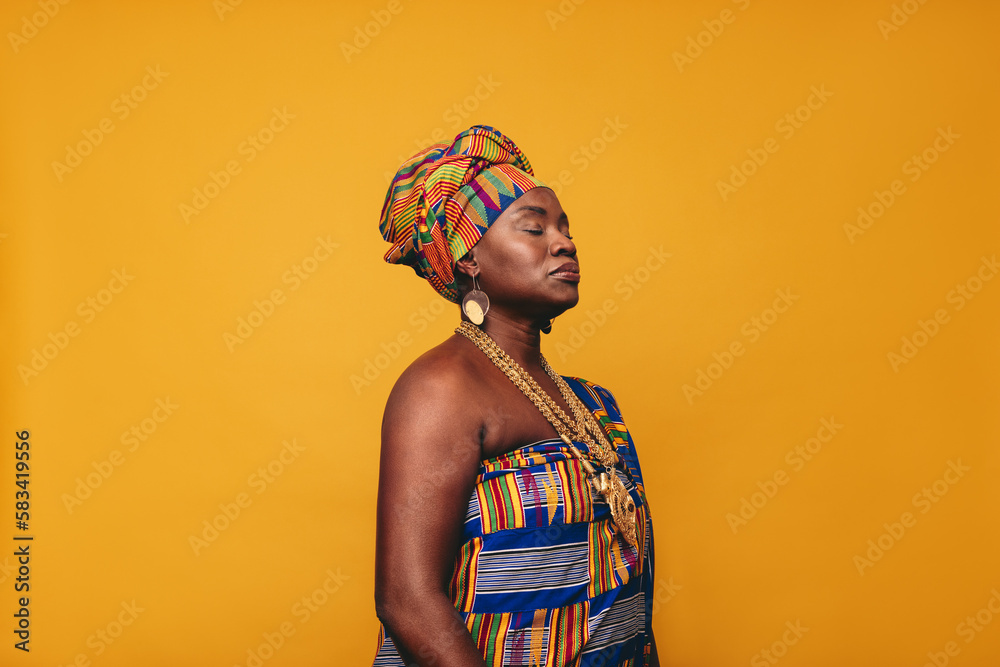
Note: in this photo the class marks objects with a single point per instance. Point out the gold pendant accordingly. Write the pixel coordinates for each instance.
(610, 487)
(623, 511)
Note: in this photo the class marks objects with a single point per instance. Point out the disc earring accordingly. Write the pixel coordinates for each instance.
(476, 304)
(547, 328)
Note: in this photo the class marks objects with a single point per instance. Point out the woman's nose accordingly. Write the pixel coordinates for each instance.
(563, 245)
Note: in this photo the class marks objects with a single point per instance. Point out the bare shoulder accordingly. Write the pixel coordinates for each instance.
(433, 390)
(444, 371)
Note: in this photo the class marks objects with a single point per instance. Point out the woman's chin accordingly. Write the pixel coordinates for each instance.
(565, 303)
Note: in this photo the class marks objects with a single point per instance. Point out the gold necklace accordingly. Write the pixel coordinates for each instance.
(583, 423)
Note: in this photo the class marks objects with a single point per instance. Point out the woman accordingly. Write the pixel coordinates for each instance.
(512, 524)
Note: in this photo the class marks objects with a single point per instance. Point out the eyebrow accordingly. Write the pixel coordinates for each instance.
(541, 211)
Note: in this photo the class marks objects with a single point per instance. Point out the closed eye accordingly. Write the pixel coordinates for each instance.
(539, 232)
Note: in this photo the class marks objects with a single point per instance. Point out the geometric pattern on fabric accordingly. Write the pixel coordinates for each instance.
(542, 577)
(443, 199)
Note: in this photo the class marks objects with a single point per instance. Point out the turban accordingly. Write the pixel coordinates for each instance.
(444, 198)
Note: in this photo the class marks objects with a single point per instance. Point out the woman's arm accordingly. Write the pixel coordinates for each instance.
(428, 466)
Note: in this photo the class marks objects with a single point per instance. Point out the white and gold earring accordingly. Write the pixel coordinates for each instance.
(476, 304)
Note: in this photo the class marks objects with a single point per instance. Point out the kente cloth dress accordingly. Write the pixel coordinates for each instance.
(542, 577)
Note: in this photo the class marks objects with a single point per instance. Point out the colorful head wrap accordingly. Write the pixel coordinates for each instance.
(444, 198)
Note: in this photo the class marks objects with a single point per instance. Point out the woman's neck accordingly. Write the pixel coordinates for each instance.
(519, 338)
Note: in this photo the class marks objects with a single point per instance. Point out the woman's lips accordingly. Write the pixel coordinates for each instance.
(573, 276)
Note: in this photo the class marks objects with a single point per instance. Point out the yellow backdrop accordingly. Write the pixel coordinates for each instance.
(787, 217)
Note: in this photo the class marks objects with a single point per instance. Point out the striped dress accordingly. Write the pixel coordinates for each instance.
(541, 577)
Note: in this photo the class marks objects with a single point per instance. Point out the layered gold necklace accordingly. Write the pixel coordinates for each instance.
(583, 426)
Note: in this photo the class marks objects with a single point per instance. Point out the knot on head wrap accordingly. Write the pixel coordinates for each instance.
(444, 198)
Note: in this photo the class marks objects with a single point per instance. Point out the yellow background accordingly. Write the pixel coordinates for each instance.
(557, 75)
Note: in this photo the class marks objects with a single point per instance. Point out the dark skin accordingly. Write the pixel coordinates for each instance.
(453, 408)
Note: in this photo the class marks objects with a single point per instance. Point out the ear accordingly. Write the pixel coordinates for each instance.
(467, 265)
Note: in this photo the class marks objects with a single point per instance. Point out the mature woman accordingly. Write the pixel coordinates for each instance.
(513, 527)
